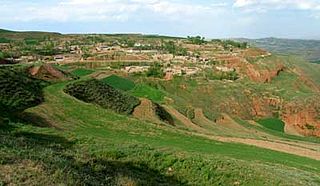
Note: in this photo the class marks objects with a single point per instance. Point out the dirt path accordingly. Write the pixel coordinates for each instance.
(277, 146)
(304, 149)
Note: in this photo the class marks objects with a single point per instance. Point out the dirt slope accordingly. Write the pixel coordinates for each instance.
(309, 150)
(146, 111)
(184, 120)
(49, 73)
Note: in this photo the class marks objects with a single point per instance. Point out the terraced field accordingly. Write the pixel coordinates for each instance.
(84, 143)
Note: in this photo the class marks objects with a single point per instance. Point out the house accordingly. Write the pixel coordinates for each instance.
(59, 58)
(225, 69)
(163, 57)
(189, 71)
(136, 69)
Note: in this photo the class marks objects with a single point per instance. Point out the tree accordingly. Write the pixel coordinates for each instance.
(198, 40)
(1, 55)
(170, 47)
(155, 71)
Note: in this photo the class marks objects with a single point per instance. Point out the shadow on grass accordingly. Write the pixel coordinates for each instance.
(34, 119)
(60, 158)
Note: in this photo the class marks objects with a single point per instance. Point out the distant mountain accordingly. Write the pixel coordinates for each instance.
(5, 31)
(308, 49)
(18, 35)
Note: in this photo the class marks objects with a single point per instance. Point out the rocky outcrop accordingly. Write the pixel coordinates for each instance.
(265, 106)
(305, 119)
(49, 73)
(300, 118)
(264, 75)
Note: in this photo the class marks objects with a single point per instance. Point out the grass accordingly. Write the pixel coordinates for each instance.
(119, 83)
(277, 133)
(98, 147)
(272, 123)
(145, 91)
(82, 72)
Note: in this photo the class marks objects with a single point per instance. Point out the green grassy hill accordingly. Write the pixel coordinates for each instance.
(21, 35)
(131, 129)
(80, 143)
(96, 146)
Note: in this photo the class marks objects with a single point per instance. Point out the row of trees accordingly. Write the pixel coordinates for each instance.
(174, 49)
(197, 40)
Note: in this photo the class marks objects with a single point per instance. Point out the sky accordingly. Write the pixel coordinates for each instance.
(208, 18)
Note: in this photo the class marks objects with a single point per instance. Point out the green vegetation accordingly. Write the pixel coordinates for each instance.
(213, 75)
(4, 40)
(172, 48)
(155, 71)
(317, 62)
(145, 91)
(198, 40)
(2, 55)
(18, 91)
(277, 133)
(5, 31)
(94, 91)
(31, 41)
(99, 147)
(272, 123)
(230, 43)
(82, 72)
(82, 133)
(119, 82)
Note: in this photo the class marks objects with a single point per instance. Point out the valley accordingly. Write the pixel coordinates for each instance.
(130, 109)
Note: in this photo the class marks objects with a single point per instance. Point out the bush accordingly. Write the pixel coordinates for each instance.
(213, 75)
(172, 48)
(94, 91)
(5, 40)
(227, 44)
(18, 91)
(198, 40)
(163, 114)
(155, 71)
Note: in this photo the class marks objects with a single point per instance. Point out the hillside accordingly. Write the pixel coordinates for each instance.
(85, 144)
(150, 110)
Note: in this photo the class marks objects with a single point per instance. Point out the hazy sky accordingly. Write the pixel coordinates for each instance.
(210, 18)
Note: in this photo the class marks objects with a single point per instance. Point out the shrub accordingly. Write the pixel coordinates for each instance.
(198, 40)
(94, 91)
(155, 71)
(310, 127)
(163, 114)
(4, 40)
(230, 43)
(18, 91)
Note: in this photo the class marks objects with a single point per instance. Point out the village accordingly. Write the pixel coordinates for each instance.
(179, 57)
